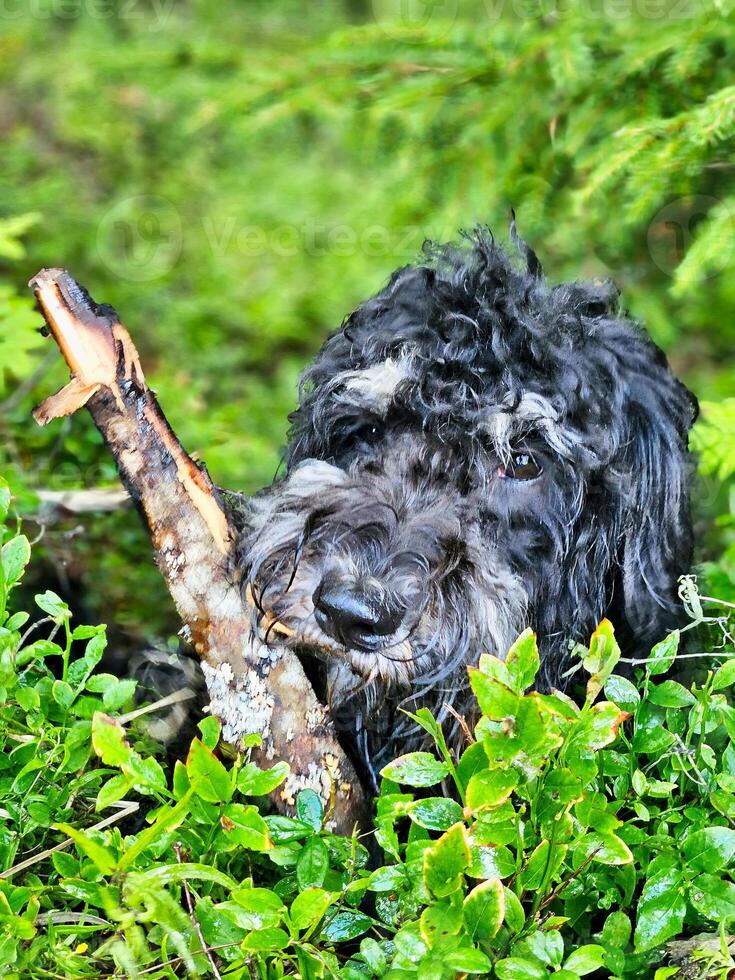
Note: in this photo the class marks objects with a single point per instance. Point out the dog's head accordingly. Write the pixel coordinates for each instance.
(475, 451)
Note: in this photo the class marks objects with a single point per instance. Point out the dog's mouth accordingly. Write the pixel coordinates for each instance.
(347, 670)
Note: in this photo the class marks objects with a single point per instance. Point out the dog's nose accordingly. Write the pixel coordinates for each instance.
(359, 614)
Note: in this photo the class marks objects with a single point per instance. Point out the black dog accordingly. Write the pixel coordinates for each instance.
(475, 451)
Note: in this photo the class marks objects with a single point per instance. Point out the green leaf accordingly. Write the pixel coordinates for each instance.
(116, 695)
(435, 813)
(147, 774)
(445, 861)
(261, 906)
(387, 879)
(663, 654)
(497, 701)
(517, 968)
(490, 862)
(252, 781)
(622, 692)
(724, 675)
(438, 922)
(210, 728)
(605, 849)
(490, 788)
(616, 931)
(585, 959)
(220, 927)
(28, 698)
(514, 915)
(472, 760)
(484, 909)
(168, 874)
(309, 907)
(596, 812)
(467, 960)
(102, 857)
(167, 819)
(312, 864)
(86, 632)
(709, 849)
(264, 941)
(243, 826)
(713, 898)
(15, 555)
(62, 693)
(603, 654)
(285, 829)
(113, 790)
(659, 919)
(209, 778)
(670, 694)
(5, 498)
(373, 955)
(309, 808)
(415, 769)
(108, 740)
(542, 865)
(547, 947)
(17, 621)
(51, 604)
(346, 925)
(522, 661)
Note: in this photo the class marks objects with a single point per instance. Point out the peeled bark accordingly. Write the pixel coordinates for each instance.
(253, 688)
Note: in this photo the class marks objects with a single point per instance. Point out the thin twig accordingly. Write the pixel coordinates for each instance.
(32, 627)
(184, 694)
(462, 723)
(128, 808)
(717, 602)
(563, 884)
(194, 921)
(175, 960)
(679, 656)
(75, 918)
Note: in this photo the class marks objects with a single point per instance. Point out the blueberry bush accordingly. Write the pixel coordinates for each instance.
(569, 837)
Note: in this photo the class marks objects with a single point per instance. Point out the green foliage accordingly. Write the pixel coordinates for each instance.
(563, 840)
(714, 441)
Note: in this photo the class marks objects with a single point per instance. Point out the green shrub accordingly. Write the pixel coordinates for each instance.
(566, 839)
(234, 177)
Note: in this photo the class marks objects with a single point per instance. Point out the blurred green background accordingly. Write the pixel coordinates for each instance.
(235, 177)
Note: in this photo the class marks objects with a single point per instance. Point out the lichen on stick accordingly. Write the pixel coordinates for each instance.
(254, 687)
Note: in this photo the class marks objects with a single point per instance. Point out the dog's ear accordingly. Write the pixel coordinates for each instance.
(656, 546)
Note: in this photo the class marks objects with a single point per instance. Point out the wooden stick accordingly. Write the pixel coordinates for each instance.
(253, 688)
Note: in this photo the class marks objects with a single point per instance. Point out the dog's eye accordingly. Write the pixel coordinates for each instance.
(521, 466)
(369, 432)
(357, 438)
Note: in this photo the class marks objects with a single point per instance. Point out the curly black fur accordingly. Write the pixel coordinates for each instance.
(399, 479)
